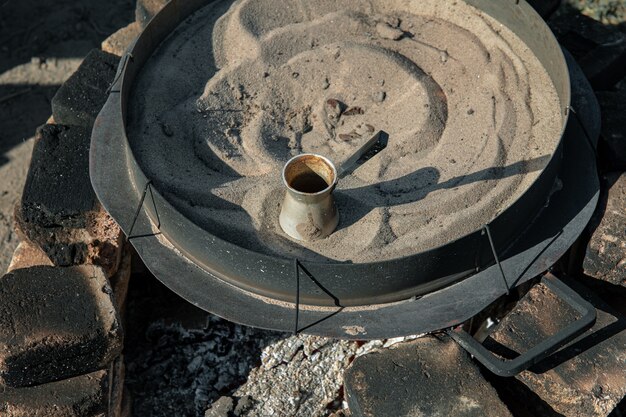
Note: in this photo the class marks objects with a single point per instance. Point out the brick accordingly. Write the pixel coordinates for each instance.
(605, 257)
(599, 49)
(222, 407)
(612, 147)
(26, 255)
(116, 388)
(79, 100)
(146, 9)
(100, 393)
(118, 43)
(56, 323)
(59, 211)
(585, 378)
(427, 377)
(121, 280)
(81, 396)
(58, 190)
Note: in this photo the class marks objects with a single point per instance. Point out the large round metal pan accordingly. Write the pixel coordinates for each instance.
(253, 288)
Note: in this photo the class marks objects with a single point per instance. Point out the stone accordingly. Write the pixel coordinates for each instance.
(431, 376)
(605, 257)
(181, 358)
(298, 376)
(220, 408)
(81, 396)
(26, 255)
(386, 31)
(244, 404)
(599, 49)
(79, 100)
(118, 43)
(59, 211)
(586, 377)
(56, 323)
(146, 9)
(612, 147)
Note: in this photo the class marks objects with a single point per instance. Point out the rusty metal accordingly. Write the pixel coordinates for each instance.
(545, 348)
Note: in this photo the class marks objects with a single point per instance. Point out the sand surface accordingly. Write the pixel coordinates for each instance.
(242, 86)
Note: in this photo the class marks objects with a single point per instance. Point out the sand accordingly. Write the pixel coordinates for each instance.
(241, 87)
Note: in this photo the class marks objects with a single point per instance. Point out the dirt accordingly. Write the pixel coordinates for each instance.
(41, 44)
(212, 127)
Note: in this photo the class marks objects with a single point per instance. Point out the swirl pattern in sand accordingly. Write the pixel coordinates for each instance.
(471, 116)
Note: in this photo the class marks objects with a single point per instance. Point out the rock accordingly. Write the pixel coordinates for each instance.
(244, 404)
(605, 257)
(159, 358)
(79, 100)
(585, 378)
(334, 109)
(612, 147)
(56, 323)
(430, 376)
(26, 255)
(386, 31)
(174, 363)
(118, 43)
(600, 50)
(81, 396)
(146, 9)
(299, 376)
(379, 96)
(220, 408)
(608, 12)
(59, 211)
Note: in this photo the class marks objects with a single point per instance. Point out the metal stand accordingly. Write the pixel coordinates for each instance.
(147, 187)
(297, 268)
(508, 368)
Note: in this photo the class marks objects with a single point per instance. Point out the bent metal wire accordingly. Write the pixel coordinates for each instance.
(433, 290)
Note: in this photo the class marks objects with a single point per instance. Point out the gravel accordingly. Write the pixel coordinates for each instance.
(612, 12)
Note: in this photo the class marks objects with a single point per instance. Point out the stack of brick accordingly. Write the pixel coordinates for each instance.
(118, 43)
(62, 299)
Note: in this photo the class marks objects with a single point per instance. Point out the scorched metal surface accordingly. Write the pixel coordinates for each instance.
(428, 291)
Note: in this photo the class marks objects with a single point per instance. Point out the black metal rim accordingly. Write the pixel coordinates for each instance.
(354, 284)
(241, 294)
(545, 241)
